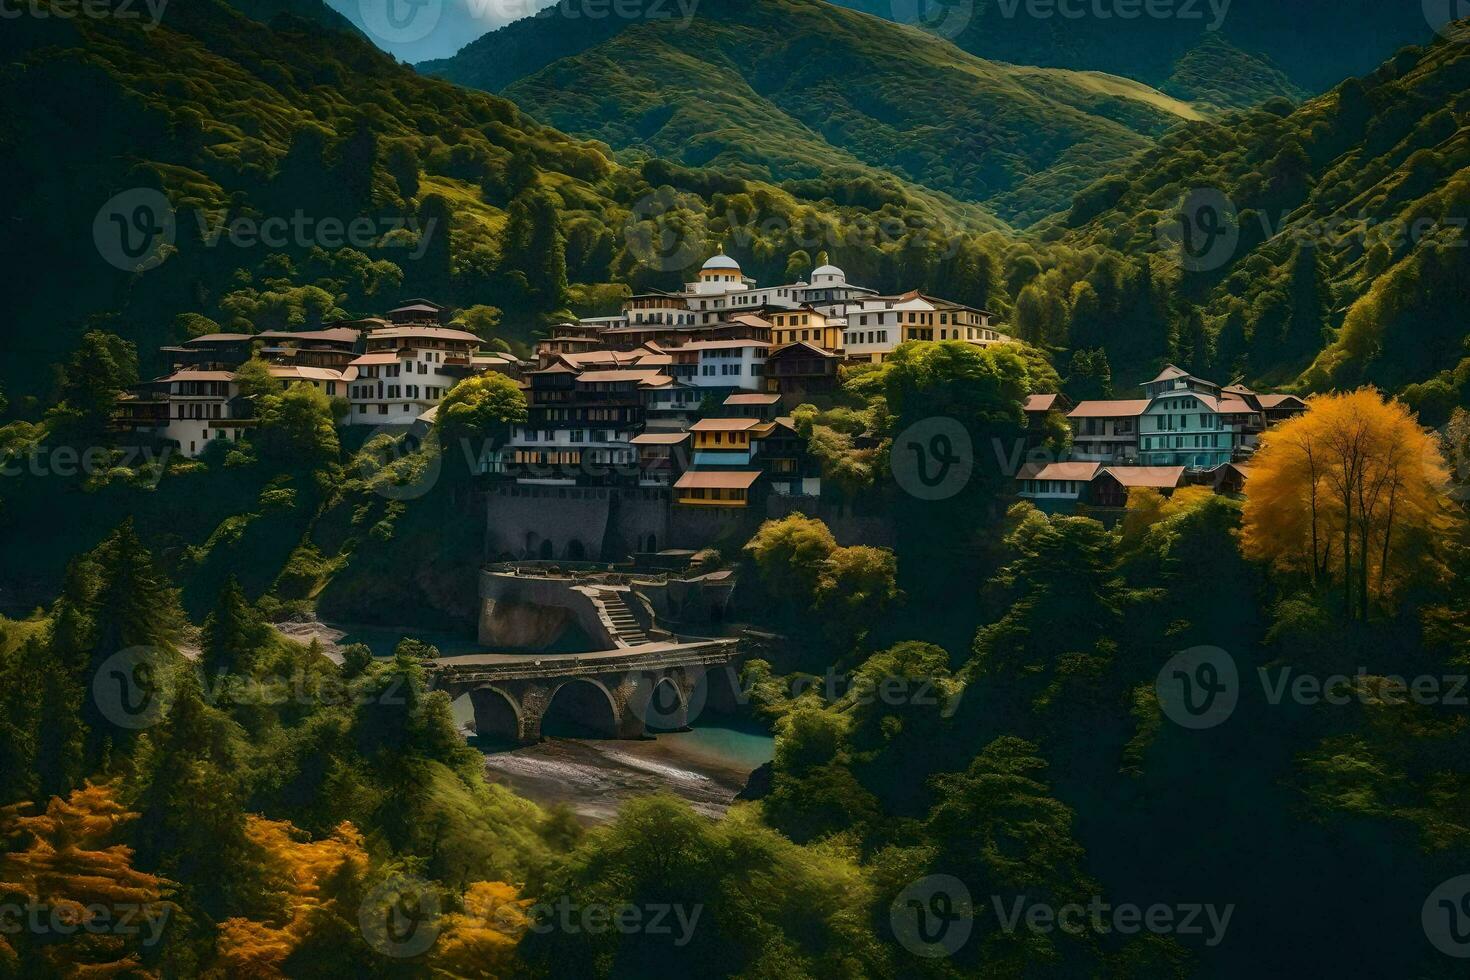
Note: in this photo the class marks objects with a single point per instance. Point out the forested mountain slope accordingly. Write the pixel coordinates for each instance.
(1342, 255)
(1255, 49)
(781, 89)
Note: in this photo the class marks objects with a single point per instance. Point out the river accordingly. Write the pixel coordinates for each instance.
(707, 765)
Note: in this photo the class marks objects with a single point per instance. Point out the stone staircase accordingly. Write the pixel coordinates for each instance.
(625, 628)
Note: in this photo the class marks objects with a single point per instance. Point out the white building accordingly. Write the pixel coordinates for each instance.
(880, 324)
(721, 364)
(204, 406)
(407, 370)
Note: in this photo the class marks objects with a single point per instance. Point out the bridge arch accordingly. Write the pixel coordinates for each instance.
(664, 705)
(581, 706)
(497, 714)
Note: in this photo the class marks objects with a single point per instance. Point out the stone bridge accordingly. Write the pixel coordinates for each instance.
(619, 693)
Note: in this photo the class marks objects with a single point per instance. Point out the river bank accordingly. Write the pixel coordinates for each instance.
(707, 767)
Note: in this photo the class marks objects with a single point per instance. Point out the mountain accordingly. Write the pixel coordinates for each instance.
(199, 176)
(1269, 48)
(1334, 249)
(793, 89)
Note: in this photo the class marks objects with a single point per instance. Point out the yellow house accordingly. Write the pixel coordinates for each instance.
(719, 488)
(806, 325)
(725, 442)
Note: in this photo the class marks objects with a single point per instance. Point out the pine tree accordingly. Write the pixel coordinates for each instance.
(233, 633)
(1194, 343)
(1309, 298)
(135, 608)
(536, 248)
(1230, 347)
(192, 827)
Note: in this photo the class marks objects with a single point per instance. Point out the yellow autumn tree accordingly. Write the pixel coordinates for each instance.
(1354, 492)
(1147, 507)
(480, 942)
(302, 868)
(75, 881)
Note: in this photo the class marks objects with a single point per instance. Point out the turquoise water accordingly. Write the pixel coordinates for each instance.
(739, 747)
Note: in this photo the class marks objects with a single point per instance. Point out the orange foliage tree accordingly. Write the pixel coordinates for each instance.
(305, 872)
(86, 911)
(320, 885)
(1353, 491)
(480, 942)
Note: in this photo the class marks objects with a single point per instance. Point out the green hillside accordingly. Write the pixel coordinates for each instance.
(1249, 50)
(783, 89)
(1347, 261)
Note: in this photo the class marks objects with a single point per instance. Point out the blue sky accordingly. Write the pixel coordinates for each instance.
(416, 30)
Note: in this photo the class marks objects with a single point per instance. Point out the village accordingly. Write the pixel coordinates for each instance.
(673, 418)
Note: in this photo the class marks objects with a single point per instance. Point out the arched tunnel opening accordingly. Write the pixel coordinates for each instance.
(497, 718)
(580, 709)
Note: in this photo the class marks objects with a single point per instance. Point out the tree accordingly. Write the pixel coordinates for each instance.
(233, 633)
(855, 589)
(296, 426)
(1089, 376)
(352, 175)
(192, 826)
(315, 881)
(256, 381)
(798, 264)
(479, 943)
(1230, 346)
(1353, 491)
(998, 828)
(1062, 603)
(790, 556)
(68, 859)
(1193, 346)
(1309, 296)
(93, 378)
(1042, 316)
(480, 320)
(536, 248)
(403, 164)
(134, 608)
(477, 414)
(765, 907)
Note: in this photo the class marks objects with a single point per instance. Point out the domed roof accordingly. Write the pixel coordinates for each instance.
(828, 270)
(721, 261)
